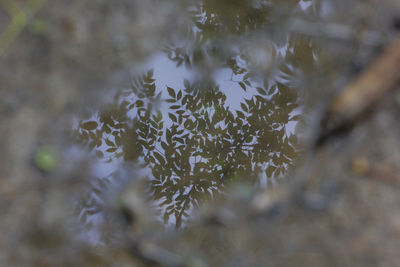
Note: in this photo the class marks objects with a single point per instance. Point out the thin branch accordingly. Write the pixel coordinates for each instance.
(363, 92)
(179, 218)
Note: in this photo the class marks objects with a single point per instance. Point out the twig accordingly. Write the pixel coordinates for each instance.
(179, 218)
(361, 94)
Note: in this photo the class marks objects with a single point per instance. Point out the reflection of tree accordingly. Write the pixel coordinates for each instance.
(202, 145)
(232, 34)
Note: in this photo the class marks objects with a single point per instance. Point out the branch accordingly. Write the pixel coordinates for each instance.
(179, 218)
(361, 94)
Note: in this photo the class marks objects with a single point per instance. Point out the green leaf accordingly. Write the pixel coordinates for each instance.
(242, 85)
(169, 136)
(120, 126)
(159, 158)
(152, 89)
(189, 125)
(164, 145)
(270, 170)
(244, 107)
(90, 125)
(180, 140)
(240, 114)
(171, 92)
(109, 143)
(172, 117)
(278, 171)
(139, 103)
(261, 91)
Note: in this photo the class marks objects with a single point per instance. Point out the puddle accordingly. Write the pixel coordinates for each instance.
(191, 138)
(220, 103)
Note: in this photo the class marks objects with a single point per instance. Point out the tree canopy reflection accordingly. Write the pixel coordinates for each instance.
(190, 139)
(201, 144)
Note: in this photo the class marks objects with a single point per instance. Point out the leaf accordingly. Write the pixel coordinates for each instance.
(244, 107)
(159, 158)
(188, 124)
(172, 117)
(272, 89)
(152, 89)
(112, 149)
(169, 136)
(171, 92)
(278, 171)
(107, 129)
(243, 86)
(139, 103)
(185, 100)
(270, 170)
(260, 99)
(240, 114)
(180, 140)
(261, 91)
(164, 145)
(90, 125)
(108, 142)
(120, 126)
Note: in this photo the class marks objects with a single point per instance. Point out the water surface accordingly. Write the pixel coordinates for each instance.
(220, 101)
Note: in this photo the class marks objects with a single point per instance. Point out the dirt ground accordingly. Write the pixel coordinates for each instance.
(343, 211)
